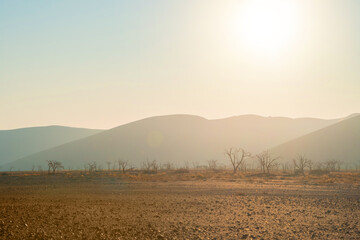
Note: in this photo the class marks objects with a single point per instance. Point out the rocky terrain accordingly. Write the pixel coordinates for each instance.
(55, 207)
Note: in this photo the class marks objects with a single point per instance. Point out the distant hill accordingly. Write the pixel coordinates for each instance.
(176, 139)
(340, 141)
(18, 143)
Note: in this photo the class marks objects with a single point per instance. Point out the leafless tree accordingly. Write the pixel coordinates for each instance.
(54, 165)
(99, 167)
(319, 166)
(330, 165)
(300, 163)
(11, 168)
(285, 167)
(357, 166)
(168, 166)
(338, 165)
(195, 165)
(123, 165)
(109, 165)
(114, 165)
(266, 161)
(92, 166)
(186, 165)
(212, 164)
(310, 164)
(237, 157)
(33, 168)
(150, 166)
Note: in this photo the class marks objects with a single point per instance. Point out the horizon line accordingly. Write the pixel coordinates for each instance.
(179, 114)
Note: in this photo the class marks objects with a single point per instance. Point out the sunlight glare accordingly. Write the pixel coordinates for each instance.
(268, 27)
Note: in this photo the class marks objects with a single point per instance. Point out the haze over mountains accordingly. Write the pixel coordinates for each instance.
(177, 139)
(340, 141)
(18, 143)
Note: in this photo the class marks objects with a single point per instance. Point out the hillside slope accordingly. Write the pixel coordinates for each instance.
(18, 143)
(176, 139)
(340, 141)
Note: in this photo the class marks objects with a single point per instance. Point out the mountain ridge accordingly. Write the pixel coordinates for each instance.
(21, 142)
(340, 141)
(176, 138)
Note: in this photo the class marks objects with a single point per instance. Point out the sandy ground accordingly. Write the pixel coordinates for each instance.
(53, 208)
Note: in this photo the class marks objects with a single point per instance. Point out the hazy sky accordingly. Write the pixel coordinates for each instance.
(100, 64)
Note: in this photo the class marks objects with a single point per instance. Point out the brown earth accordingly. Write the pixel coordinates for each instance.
(57, 207)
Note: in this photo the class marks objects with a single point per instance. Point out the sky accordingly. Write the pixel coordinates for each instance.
(100, 64)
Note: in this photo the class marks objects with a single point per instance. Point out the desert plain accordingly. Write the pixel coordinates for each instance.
(192, 205)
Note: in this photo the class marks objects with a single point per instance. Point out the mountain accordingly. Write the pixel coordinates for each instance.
(177, 139)
(340, 141)
(18, 143)
(352, 115)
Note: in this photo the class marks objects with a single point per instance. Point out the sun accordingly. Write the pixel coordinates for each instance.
(268, 26)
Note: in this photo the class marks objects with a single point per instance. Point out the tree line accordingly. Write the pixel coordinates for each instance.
(237, 157)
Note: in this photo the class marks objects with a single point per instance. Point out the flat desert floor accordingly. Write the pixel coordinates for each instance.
(55, 207)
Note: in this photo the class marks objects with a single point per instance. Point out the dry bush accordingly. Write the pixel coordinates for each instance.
(182, 170)
(319, 172)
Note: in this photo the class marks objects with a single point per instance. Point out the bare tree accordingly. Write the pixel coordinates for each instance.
(330, 165)
(186, 165)
(109, 165)
(266, 161)
(99, 167)
(33, 168)
(319, 166)
(285, 167)
(310, 164)
(357, 166)
(11, 168)
(168, 166)
(155, 165)
(114, 166)
(338, 165)
(123, 165)
(300, 163)
(92, 166)
(237, 157)
(212, 164)
(195, 164)
(54, 165)
(333, 165)
(150, 166)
